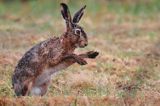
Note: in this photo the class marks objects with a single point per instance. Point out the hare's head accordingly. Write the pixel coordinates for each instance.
(75, 33)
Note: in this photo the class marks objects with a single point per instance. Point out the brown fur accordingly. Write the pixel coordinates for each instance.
(32, 74)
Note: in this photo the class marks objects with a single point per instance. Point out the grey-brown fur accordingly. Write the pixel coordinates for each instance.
(33, 72)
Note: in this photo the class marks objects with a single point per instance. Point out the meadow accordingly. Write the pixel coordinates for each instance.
(126, 33)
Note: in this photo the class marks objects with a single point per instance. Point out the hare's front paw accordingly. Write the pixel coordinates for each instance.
(81, 62)
(92, 54)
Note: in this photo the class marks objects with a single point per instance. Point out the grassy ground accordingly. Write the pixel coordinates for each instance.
(127, 35)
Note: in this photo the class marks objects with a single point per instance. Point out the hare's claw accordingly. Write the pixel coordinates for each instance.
(92, 54)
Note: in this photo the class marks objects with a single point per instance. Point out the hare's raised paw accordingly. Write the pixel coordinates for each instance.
(92, 54)
(81, 62)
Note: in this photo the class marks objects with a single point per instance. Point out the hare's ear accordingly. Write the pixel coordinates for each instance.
(66, 14)
(78, 15)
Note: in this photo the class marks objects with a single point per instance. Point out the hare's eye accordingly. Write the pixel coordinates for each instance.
(77, 31)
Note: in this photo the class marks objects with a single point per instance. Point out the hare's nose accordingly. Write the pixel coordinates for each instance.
(85, 44)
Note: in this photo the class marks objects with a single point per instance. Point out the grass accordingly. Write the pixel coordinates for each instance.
(126, 34)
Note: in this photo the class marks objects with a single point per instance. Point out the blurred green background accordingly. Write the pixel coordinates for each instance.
(136, 7)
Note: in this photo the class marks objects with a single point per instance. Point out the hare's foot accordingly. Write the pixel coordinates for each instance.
(92, 54)
(26, 89)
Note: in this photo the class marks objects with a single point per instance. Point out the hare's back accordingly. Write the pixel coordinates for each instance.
(34, 60)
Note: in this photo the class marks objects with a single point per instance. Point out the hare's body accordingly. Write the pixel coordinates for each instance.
(39, 63)
(32, 74)
(35, 62)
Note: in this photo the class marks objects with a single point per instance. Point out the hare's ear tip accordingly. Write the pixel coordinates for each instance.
(84, 6)
(63, 4)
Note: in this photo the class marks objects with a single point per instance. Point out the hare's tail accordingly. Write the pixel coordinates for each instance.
(17, 86)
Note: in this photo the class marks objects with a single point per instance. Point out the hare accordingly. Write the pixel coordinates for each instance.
(33, 72)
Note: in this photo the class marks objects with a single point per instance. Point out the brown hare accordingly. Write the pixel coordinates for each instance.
(32, 74)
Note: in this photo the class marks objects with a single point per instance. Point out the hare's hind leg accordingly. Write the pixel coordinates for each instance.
(24, 89)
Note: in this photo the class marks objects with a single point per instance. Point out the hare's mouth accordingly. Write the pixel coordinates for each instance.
(82, 46)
